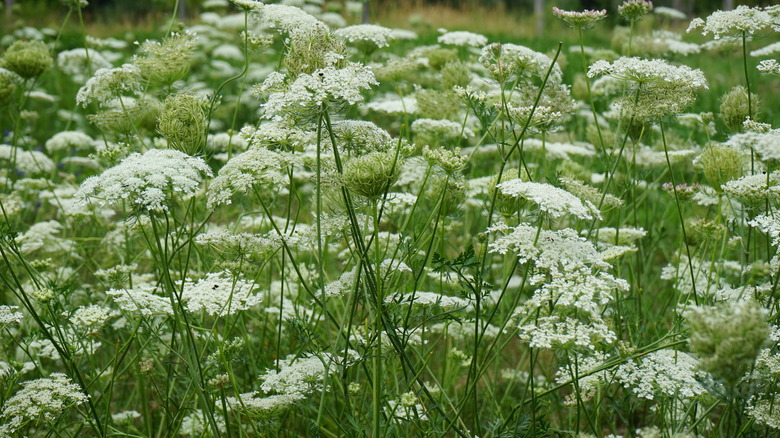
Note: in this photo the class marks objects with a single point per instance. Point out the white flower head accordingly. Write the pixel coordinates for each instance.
(147, 180)
(463, 39)
(741, 20)
(552, 200)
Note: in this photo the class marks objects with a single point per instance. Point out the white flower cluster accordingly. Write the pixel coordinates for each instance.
(74, 63)
(9, 315)
(42, 236)
(89, 319)
(552, 250)
(311, 91)
(29, 162)
(666, 372)
(256, 405)
(67, 141)
(670, 13)
(428, 299)
(765, 411)
(754, 188)
(768, 50)
(147, 180)
(141, 301)
(256, 166)
(220, 294)
(463, 38)
(552, 200)
(769, 67)
(109, 83)
(558, 331)
(300, 376)
(765, 144)
(288, 19)
(649, 71)
(770, 224)
(372, 34)
(742, 19)
(40, 400)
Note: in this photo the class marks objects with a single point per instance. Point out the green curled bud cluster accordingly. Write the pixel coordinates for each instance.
(166, 62)
(455, 73)
(313, 49)
(28, 59)
(372, 174)
(182, 122)
(734, 107)
(721, 164)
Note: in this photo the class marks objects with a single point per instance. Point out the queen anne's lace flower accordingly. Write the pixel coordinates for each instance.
(552, 200)
(9, 315)
(463, 38)
(288, 19)
(147, 181)
(769, 67)
(40, 400)
(667, 372)
(742, 19)
(649, 71)
(362, 34)
(219, 294)
(552, 250)
(141, 301)
(108, 83)
(30, 162)
(244, 171)
(310, 91)
(580, 19)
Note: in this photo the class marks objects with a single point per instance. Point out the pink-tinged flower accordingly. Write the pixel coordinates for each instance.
(580, 20)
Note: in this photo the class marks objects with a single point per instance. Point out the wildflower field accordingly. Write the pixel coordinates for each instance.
(270, 221)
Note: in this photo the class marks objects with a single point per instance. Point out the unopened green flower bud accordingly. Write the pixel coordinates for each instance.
(721, 164)
(28, 59)
(43, 295)
(408, 399)
(372, 174)
(734, 108)
(183, 122)
(354, 388)
(728, 338)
